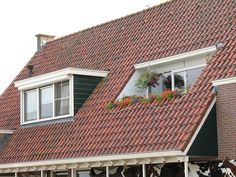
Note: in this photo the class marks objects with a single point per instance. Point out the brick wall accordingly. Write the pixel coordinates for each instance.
(226, 120)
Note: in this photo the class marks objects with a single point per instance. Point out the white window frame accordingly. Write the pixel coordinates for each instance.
(37, 101)
(180, 70)
(71, 101)
(183, 70)
(39, 89)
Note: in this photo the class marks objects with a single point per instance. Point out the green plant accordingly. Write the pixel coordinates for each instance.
(169, 94)
(110, 105)
(159, 98)
(181, 91)
(148, 78)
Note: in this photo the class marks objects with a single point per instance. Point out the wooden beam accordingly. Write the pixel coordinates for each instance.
(73, 165)
(33, 169)
(52, 167)
(108, 163)
(85, 165)
(42, 168)
(96, 164)
(145, 161)
(62, 166)
(158, 160)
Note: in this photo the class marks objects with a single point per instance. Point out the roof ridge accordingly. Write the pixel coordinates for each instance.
(114, 20)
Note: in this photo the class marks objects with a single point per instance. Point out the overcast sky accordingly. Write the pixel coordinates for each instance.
(21, 20)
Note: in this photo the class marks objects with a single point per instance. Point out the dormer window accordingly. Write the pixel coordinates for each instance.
(56, 95)
(49, 102)
(177, 72)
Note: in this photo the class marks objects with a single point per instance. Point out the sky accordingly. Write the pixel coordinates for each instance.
(21, 20)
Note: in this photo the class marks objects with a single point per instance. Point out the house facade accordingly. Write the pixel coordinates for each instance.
(82, 107)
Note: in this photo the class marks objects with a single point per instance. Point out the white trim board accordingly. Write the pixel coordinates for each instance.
(176, 58)
(200, 126)
(93, 159)
(5, 131)
(218, 82)
(56, 76)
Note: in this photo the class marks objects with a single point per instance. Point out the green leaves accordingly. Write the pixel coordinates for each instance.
(148, 78)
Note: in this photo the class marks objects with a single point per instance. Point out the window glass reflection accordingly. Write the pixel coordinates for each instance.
(31, 105)
(46, 102)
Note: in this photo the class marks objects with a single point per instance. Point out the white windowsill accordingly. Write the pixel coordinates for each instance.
(4, 131)
(46, 119)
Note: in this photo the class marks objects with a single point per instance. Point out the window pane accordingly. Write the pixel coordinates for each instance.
(192, 75)
(30, 105)
(164, 83)
(46, 102)
(62, 106)
(62, 90)
(61, 174)
(179, 80)
(83, 174)
(65, 89)
(167, 82)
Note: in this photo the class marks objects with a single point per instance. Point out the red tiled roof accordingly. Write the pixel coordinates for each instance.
(171, 28)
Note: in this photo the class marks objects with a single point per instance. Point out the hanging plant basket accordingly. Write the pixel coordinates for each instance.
(148, 79)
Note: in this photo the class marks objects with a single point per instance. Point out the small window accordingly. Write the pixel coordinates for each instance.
(186, 78)
(83, 173)
(192, 75)
(179, 78)
(62, 98)
(164, 83)
(46, 102)
(31, 105)
(49, 102)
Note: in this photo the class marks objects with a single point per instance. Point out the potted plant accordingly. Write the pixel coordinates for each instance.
(148, 79)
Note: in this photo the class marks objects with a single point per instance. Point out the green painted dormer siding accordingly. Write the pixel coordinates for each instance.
(205, 143)
(83, 87)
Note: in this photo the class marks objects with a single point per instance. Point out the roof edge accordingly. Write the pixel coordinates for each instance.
(104, 159)
(6, 131)
(57, 75)
(178, 57)
(224, 81)
(115, 19)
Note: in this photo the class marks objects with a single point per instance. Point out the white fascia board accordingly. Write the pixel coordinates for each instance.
(93, 159)
(200, 126)
(88, 72)
(55, 76)
(176, 58)
(5, 131)
(218, 82)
